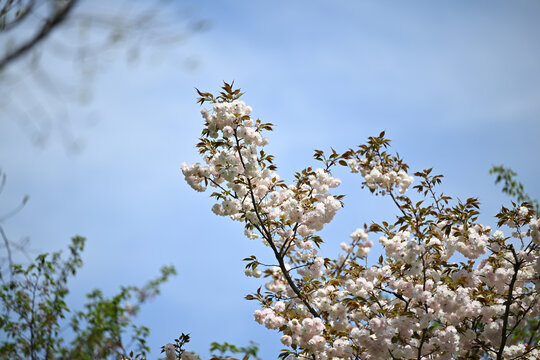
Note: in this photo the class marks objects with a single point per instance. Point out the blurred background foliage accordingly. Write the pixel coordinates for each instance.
(52, 50)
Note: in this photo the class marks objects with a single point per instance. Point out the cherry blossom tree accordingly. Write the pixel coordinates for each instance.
(446, 287)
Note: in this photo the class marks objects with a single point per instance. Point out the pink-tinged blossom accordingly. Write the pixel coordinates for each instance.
(286, 340)
(523, 211)
(417, 301)
(359, 235)
(188, 355)
(170, 352)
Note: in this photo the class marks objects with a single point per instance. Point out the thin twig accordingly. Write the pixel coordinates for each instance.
(6, 242)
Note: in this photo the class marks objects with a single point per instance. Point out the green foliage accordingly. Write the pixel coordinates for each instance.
(33, 312)
(511, 186)
(251, 350)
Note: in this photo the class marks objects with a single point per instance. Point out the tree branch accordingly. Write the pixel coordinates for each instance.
(59, 16)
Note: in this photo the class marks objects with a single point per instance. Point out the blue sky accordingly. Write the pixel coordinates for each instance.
(456, 86)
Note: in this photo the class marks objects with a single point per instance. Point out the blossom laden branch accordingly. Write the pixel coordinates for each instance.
(417, 301)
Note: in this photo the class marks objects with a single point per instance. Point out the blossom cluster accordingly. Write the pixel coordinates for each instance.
(375, 177)
(447, 286)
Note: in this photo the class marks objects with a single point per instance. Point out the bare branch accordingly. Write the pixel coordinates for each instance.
(59, 16)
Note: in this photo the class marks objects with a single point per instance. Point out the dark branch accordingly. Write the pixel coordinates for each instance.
(59, 16)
